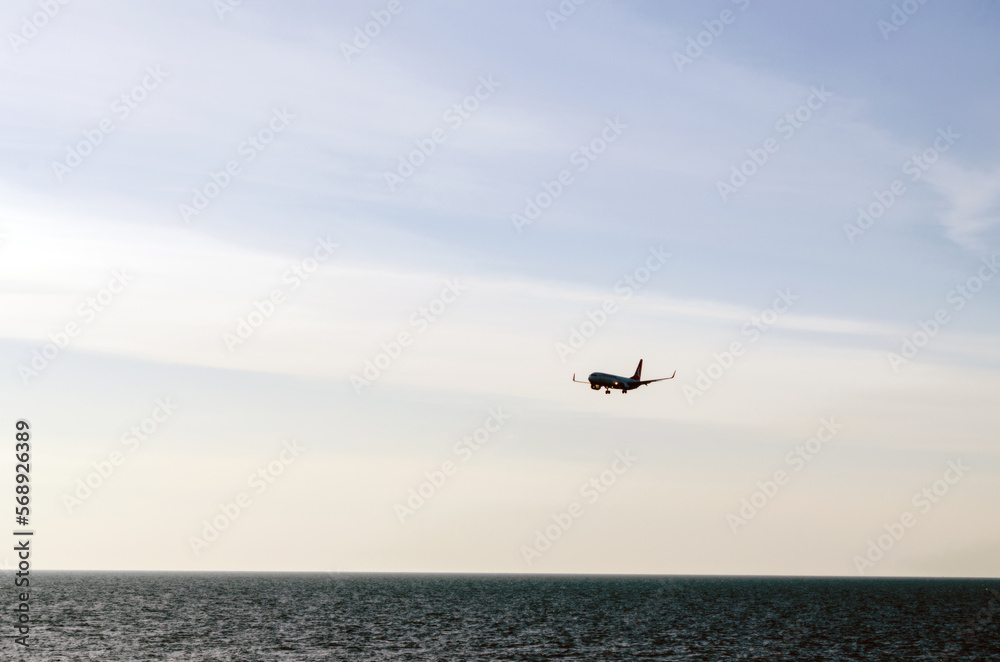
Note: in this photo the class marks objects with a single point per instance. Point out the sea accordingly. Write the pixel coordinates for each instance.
(345, 616)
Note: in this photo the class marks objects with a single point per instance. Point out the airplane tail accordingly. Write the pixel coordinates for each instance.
(638, 371)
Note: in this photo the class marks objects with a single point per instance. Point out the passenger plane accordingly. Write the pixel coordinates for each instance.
(599, 380)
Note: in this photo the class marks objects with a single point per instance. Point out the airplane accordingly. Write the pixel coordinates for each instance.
(598, 380)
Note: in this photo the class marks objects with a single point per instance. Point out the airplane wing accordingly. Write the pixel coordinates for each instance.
(650, 381)
(578, 381)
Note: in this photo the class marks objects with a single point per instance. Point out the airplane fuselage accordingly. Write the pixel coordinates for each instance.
(599, 380)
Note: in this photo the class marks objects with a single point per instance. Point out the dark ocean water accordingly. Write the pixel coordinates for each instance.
(243, 617)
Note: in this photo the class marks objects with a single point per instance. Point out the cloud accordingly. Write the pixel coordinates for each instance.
(973, 198)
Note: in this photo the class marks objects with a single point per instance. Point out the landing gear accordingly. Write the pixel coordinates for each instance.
(624, 392)
(608, 391)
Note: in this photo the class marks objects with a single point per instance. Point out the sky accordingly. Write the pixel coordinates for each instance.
(303, 286)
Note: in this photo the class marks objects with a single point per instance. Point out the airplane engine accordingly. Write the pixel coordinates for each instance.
(595, 387)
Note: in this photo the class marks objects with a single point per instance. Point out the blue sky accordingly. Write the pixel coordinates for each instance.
(484, 307)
